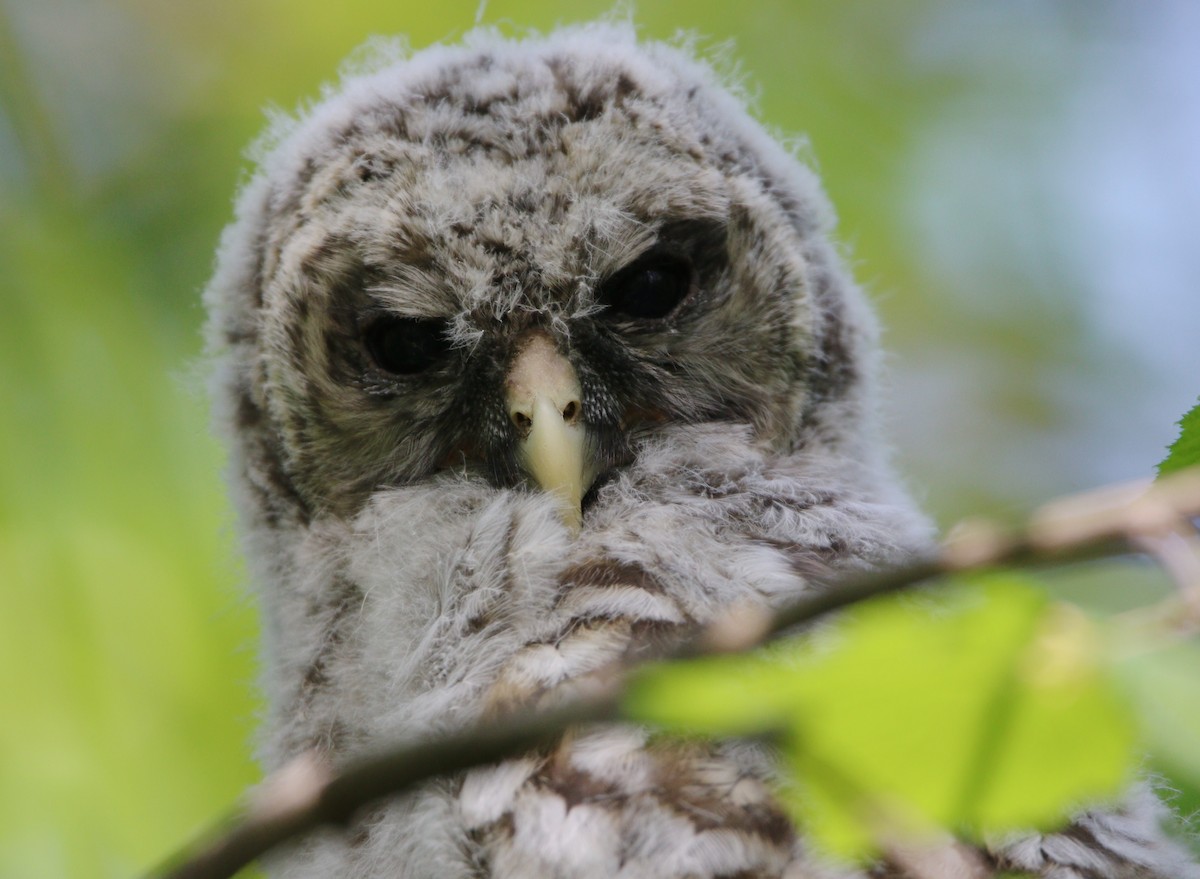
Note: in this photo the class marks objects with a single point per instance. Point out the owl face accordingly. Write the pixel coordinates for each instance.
(595, 211)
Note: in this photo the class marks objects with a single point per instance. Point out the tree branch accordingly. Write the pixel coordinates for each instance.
(307, 793)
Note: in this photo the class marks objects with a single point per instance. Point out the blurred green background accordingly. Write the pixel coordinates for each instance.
(1017, 185)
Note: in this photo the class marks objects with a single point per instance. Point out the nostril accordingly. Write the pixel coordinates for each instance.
(570, 412)
(522, 421)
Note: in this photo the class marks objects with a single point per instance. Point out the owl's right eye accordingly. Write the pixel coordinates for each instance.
(650, 289)
(406, 345)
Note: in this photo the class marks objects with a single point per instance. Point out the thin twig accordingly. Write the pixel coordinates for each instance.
(306, 794)
(947, 859)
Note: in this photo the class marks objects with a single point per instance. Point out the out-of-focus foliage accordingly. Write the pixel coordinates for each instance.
(987, 710)
(959, 139)
(1163, 685)
(127, 698)
(1185, 451)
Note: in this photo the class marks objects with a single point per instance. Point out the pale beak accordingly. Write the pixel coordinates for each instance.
(545, 403)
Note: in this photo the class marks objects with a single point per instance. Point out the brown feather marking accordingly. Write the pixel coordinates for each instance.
(575, 785)
(486, 617)
(608, 572)
(514, 689)
(279, 501)
(698, 784)
(345, 596)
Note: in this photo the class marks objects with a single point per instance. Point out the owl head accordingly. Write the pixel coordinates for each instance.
(517, 262)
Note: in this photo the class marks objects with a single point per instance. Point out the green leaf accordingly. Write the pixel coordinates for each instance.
(1164, 687)
(985, 711)
(1185, 451)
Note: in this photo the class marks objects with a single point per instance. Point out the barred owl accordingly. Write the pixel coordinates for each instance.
(533, 353)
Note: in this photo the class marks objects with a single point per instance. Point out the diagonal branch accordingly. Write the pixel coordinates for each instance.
(306, 793)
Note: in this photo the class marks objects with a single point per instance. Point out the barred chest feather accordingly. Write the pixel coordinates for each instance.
(517, 615)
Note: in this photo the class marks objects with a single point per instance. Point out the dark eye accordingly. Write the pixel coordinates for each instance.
(406, 345)
(650, 288)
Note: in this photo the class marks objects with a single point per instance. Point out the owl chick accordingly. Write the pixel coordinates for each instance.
(532, 354)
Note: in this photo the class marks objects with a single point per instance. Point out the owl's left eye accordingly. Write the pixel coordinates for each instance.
(649, 289)
(406, 345)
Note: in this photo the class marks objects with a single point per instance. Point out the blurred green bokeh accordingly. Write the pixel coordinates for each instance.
(954, 140)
